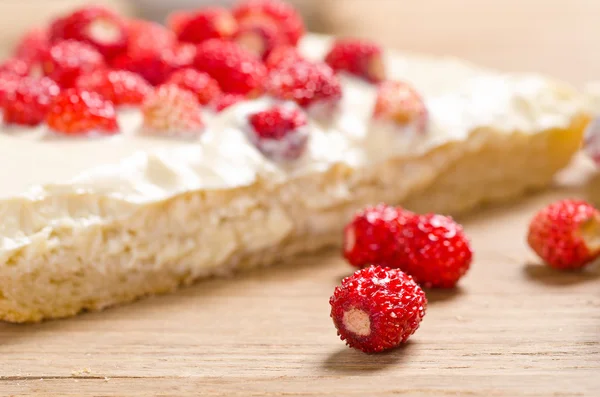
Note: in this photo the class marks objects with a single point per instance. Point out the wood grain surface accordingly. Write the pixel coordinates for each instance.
(513, 328)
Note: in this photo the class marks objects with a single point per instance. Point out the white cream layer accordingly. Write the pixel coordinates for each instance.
(50, 182)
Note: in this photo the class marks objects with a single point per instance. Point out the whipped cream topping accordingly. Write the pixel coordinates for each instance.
(50, 181)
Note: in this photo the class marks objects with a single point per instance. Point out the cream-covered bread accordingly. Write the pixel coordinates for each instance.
(92, 222)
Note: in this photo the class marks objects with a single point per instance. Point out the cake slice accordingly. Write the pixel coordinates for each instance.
(89, 223)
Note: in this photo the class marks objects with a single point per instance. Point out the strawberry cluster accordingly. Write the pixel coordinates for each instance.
(397, 251)
(222, 56)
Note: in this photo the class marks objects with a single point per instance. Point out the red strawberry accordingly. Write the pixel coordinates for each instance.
(359, 57)
(279, 13)
(566, 234)
(236, 70)
(434, 251)
(172, 110)
(307, 84)
(205, 24)
(8, 85)
(33, 45)
(201, 84)
(74, 112)
(118, 86)
(29, 102)
(377, 308)
(280, 132)
(154, 66)
(282, 56)
(399, 103)
(97, 26)
(145, 37)
(373, 236)
(16, 66)
(67, 60)
(258, 38)
(226, 100)
(177, 19)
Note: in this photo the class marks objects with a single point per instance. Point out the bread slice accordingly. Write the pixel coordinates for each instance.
(164, 218)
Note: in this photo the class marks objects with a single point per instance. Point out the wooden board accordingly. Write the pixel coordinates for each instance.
(513, 328)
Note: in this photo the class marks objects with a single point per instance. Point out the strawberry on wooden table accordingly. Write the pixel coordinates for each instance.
(377, 308)
(566, 234)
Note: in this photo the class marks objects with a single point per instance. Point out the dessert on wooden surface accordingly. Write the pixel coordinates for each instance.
(249, 149)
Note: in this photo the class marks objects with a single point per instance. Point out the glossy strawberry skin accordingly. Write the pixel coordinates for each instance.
(435, 251)
(277, 12)
(28, 104)
(121, 87)
(76, 112)
(236, 70)
(67, 60)
(305, 83)
(207, 23)
(373, 237)
(97, 26)
(359, 57)
(201, 84)
(566, 234)
(377, 309)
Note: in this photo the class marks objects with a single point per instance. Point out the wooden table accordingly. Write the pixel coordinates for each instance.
(513, 328)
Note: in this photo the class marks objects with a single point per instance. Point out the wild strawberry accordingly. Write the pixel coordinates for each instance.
(29, 102)
(16, 66)
(176, 20)
(377, 308)
(172, 110)
(309, 85)
(359, 57)
(118, 86)
(224, 101)
(96, 26)
(156, 66)
(399, 103)
(282, 56)
(434, 251)
(258, 38)
(236, 70)
(148, 37)
(591, 141)
(67, 60)
(201, 84)
(566, 234)
(8, 85)
(373, 235)
(33, 45)
(277, 12)
(75, 112)
(205, 24)
(280, 132)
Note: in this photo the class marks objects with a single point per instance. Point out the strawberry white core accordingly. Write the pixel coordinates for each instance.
(590, 232)
(104, 31)
(358, 322)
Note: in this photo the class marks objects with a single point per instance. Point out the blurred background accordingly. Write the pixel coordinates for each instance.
(555, 37)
